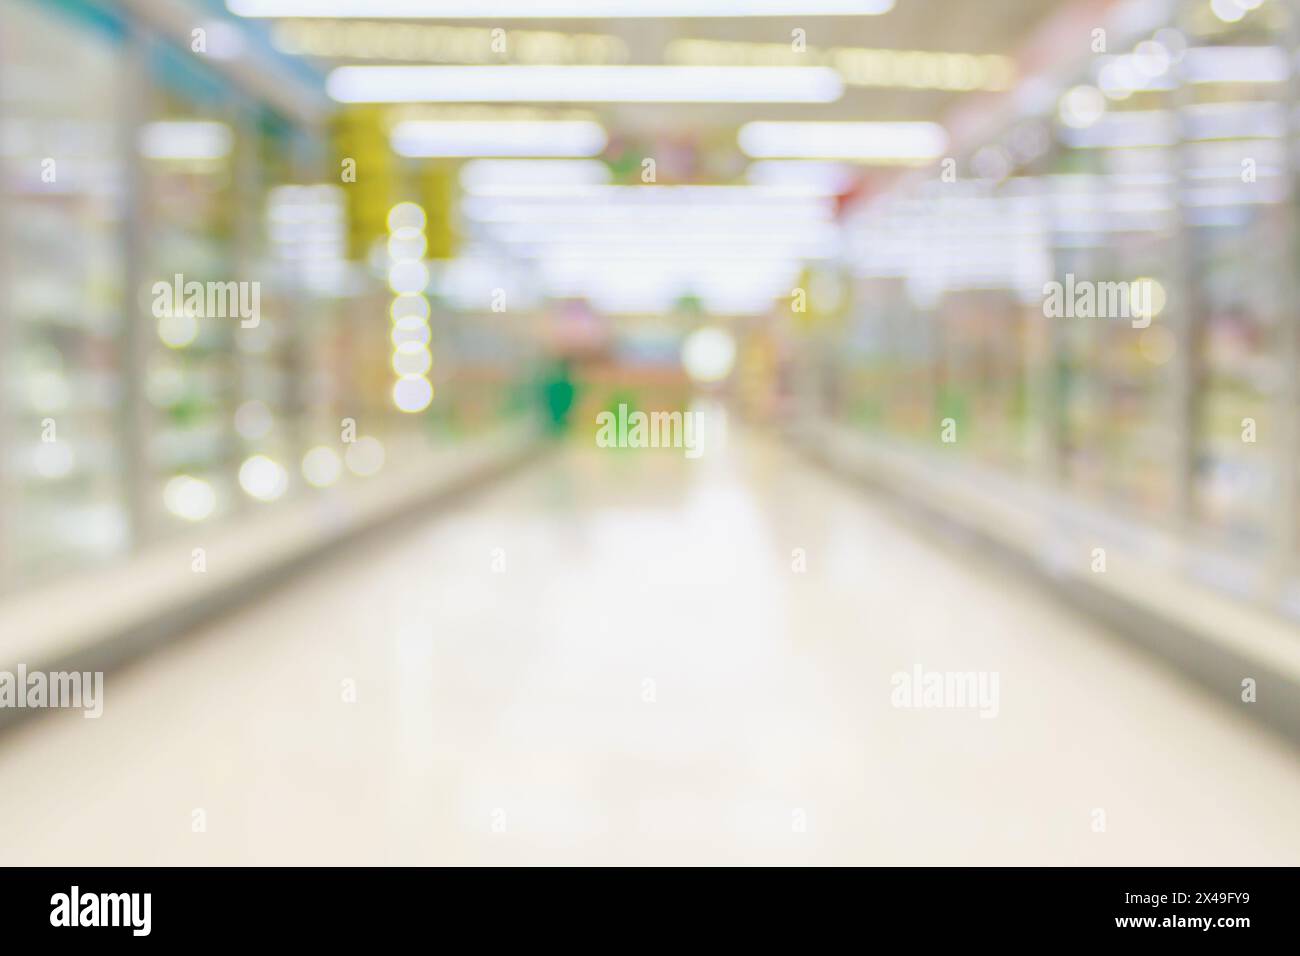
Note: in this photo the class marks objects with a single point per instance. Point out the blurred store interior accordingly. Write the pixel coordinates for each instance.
(325, 331)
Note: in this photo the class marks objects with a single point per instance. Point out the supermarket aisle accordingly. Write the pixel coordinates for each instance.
(612, 659)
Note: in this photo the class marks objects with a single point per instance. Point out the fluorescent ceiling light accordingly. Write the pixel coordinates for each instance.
(806, 233)
(584, 84)
(484, 209)
(848, 141)
(647, 252)
(556, 9)
(857, 66)
(430, 138)
(406, 42)
(714, 240)
(640, 206)
(1233, 195)
(1128, 129)
(524, 177)
(186, 140)
(1236, 64)
(1243, 120)
(814, 178)
(694, 195)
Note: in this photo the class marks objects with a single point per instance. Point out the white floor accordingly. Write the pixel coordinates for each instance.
(610, 659)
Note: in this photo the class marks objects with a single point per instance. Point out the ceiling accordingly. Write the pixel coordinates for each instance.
(627, 249)
(986, 27)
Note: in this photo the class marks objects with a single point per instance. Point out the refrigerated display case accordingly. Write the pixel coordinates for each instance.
(129, 414)
(271, 355)
(1235, 113)
(1163, 165)
(62, 295)
(191, 205)
(1111, 221)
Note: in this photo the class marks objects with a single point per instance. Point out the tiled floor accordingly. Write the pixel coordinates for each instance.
(612, 659)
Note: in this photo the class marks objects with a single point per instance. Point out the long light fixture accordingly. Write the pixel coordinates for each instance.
(433, 138)
(1236, 65)
(584, 84)
(861, 142)
(816, 178)
(523, 177)
(807, 233)
(439, 43)
(719, 239)
(690, 224)
(740, 196)
(493, 210)
(1126, 129)
(724, 249)
(857, 66)
(556, 9)
(746, 207)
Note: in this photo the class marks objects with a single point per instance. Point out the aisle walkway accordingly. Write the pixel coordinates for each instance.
(612, 659)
